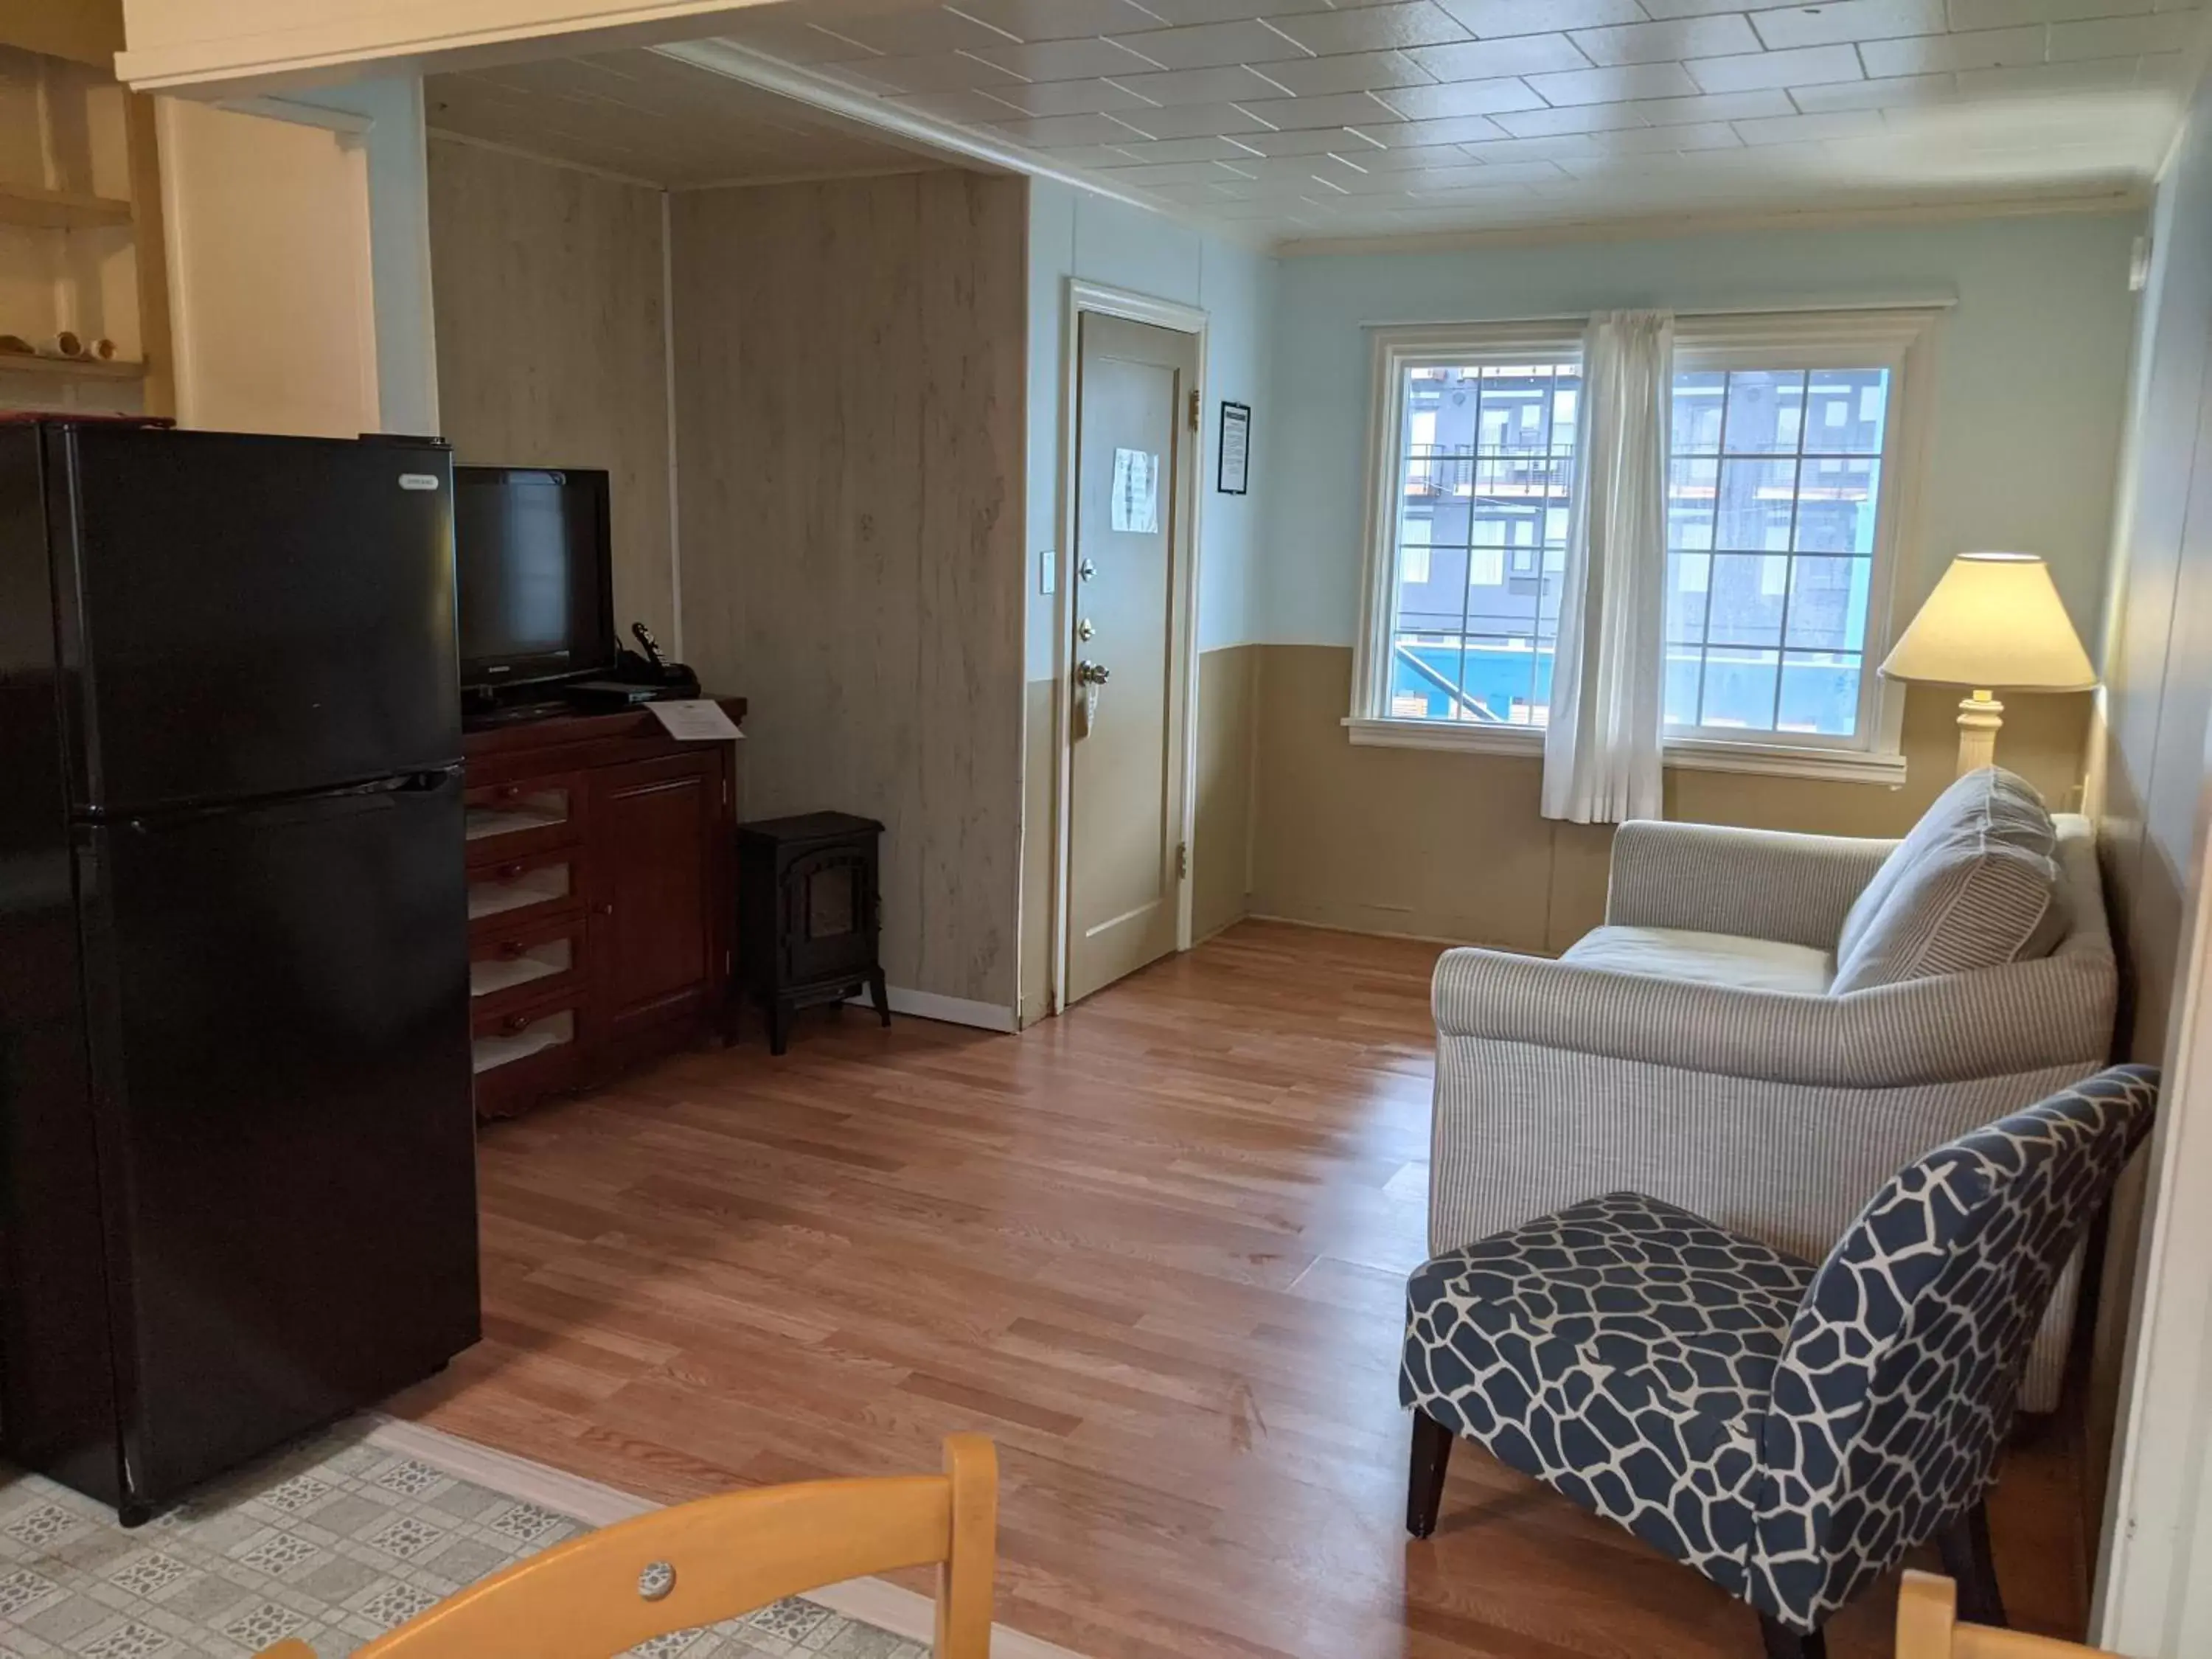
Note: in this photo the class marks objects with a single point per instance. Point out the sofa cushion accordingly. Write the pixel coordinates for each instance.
(1749, 964)
(1974, 885)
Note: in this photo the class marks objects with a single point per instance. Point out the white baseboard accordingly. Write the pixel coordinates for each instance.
(872, 1600)
(953, 1010)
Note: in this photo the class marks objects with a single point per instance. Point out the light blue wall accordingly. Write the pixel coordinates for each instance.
(1075, 233)
(2031, 378)
(399, 244)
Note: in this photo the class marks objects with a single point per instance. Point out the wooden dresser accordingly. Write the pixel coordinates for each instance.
(601, 898)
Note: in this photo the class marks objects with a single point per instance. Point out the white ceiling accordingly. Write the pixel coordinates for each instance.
(1299, 120)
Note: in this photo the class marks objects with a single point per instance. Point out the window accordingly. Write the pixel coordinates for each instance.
(1784, 499)
(1481, 469)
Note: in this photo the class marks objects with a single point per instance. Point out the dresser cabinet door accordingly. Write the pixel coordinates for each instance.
(657, 931)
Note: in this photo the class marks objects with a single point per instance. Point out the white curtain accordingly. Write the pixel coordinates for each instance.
(1607, 710)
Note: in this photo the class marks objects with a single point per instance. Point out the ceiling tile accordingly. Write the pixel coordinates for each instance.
(1373, 28)
(1806, 129)
(1228, 12)
(791, 39)
(1193, 121)
(1442, 102)
(945, 71)
(1412, 156)
(1714, 106)
(1059, 19)
(1588, 117)
(2003, 14)
(1066, 60)
(1708, 8)
(1668, 43)
(1930, 53)
(1615, 86)
(1489, 19)
(1351, 71)
(1067, 97)
(1849, 20)
(1183, 149)
(1565, 146)
(1171, 172)
(966, 107)
(1310, 141)
(1054, 129)
(1690, 136)
(1453, 129)
(1479, 60)
(1808, 66)
(917, 34)
(1209, 45)
(1351, 109)
(2093, 75)
(2114, 37)
(1895, 92)
(1207, 86)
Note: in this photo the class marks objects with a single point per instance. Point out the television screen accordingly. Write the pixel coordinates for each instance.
(534, 573)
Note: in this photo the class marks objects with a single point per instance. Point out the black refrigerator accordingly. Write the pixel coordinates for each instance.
(238, 1196)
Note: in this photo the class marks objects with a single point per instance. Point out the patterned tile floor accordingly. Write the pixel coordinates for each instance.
(334, 1541)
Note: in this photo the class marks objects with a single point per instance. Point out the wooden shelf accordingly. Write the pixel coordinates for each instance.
(59, 209)
(71, 369)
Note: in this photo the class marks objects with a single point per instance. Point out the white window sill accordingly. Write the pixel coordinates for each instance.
(1691, 754)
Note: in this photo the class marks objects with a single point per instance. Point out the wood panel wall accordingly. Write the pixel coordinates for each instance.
(850, 416)
(551, 343)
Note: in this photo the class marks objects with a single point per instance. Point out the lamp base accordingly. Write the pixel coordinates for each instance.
(1979, 717)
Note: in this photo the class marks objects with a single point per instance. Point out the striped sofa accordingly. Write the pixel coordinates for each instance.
(1743, 1090)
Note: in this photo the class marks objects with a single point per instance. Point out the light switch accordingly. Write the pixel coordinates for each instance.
(1048, 571)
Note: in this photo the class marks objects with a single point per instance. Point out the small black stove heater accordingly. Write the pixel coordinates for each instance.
(808, 915)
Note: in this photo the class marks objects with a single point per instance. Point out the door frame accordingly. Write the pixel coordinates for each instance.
(1094, 297)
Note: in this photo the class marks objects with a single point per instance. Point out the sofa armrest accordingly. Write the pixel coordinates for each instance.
(1765, 884)
(1953, 1027)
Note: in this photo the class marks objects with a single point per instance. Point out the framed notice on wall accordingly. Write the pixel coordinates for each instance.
(1236, 451)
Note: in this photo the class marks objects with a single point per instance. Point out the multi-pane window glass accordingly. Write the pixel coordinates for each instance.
(1774, 476)
(1485, 471)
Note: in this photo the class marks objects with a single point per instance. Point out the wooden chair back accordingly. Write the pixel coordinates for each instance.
(700, 1563)
(1928, 1627)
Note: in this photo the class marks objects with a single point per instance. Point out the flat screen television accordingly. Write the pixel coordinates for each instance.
(534, 567)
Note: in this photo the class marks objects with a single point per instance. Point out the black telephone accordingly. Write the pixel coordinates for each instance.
(652, 668)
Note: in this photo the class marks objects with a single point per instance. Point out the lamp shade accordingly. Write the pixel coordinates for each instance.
(1994, 622)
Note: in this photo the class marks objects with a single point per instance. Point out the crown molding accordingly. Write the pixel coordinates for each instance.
(1651, 226)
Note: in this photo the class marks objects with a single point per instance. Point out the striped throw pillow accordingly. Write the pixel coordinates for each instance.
(1974, 885)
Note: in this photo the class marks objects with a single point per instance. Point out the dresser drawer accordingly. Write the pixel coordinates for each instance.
(512, 965)
(520, 1055)
(527, 815)
(517, 891)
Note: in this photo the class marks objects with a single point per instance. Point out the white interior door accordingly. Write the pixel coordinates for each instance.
(1134, 489)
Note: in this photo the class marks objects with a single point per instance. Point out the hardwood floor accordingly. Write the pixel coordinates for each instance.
(1155, 1248)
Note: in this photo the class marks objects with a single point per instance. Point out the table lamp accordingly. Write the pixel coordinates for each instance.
(1995, 622)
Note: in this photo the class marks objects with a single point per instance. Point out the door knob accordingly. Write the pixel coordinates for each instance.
(1089, 676)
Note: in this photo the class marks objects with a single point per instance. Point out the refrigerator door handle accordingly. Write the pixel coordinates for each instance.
(375, 793)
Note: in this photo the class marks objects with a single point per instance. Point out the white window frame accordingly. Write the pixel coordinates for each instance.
(1900, 339)
(1394, 351)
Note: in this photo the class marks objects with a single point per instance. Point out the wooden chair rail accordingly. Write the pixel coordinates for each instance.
(700, 1563)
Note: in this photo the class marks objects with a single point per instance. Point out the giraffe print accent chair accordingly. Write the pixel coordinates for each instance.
(1790, 1430)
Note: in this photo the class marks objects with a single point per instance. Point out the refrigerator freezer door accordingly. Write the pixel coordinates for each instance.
(248, 616)
(280, 1080)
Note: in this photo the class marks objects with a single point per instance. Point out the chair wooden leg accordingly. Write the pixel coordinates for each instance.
(1782, 1642)
(1966, 1547)
(1424, 1481)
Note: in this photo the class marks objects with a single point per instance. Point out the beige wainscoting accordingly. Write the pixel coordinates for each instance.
(552, 347)
(1227, 733)
(1040, 847)
(850, 415)
(1451, 846)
